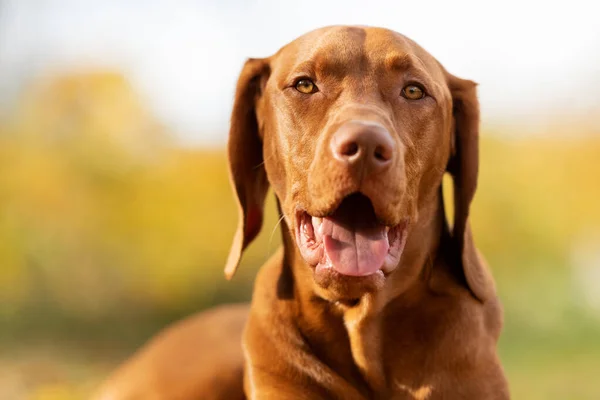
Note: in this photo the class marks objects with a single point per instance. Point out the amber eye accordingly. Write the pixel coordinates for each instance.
(413, 92)
(306, 86)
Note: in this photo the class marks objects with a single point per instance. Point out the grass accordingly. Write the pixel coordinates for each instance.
(50, 356)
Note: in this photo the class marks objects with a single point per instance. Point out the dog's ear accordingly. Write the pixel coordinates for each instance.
(246, 170)
(463, 166)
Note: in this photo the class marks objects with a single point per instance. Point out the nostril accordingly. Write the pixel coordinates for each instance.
(349, 149)
(382, 153)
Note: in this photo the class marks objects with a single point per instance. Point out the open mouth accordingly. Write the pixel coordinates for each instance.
(350, 240)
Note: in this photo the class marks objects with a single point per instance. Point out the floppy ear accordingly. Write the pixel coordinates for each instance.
(246, 170)
(463, 167)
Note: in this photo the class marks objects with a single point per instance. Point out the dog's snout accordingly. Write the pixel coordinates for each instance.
(369, 144)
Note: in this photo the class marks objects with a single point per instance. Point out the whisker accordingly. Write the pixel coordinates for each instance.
(263, 161)
(272, 233)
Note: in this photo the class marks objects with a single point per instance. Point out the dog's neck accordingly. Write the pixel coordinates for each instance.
(346, 337)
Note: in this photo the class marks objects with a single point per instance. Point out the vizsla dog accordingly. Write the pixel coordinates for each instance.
(373, 295)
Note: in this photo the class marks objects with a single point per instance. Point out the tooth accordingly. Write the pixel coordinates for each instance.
(316, 222)
(318, 227)
(387, 229)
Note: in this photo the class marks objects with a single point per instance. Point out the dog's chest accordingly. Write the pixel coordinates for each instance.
(419, 353)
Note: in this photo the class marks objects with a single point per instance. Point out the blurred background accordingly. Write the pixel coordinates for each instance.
(116, 212)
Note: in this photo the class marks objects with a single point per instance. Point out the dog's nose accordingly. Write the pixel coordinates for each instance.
(366, 143)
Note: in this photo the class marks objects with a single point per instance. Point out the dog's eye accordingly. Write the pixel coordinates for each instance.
(306, 86)
(413, 92)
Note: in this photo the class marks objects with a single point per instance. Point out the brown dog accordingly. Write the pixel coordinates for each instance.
(373, 296)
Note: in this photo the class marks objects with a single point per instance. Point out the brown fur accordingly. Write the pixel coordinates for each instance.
(428, 329)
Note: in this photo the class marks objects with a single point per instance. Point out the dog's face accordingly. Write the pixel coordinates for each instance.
(354, 128)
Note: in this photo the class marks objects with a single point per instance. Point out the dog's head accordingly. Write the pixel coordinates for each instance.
(354, 129)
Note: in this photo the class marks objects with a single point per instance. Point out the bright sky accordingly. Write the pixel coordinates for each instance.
(533, 59)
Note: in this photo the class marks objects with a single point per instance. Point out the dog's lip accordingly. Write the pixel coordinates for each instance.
(309, 238)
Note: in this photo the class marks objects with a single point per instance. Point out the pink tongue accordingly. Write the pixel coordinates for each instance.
(353, 249)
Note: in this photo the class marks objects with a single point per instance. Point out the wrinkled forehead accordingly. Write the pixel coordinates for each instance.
(342, 48)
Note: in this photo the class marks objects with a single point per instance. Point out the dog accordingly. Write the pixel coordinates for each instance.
(374, 294)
